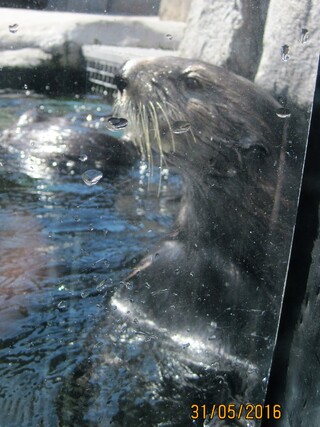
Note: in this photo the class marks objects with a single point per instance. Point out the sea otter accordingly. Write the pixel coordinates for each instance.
(195, 322)
(224, 137)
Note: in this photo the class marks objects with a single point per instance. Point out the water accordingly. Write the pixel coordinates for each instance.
(64, 246)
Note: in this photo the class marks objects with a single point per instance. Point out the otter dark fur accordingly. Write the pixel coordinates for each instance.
(217, 266)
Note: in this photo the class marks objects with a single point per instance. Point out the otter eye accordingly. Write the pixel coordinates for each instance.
(191, 81)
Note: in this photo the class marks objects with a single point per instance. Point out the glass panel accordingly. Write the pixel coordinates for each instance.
(147, 206)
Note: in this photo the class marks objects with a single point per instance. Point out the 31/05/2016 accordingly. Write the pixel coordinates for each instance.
(231, 411)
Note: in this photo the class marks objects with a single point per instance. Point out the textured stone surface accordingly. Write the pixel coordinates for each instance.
(294, 78)
(227, 33)
(175, 10)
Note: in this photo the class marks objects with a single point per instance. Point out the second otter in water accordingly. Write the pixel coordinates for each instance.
(216, 269)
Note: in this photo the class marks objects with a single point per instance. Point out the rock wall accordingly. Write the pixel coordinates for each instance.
(227, 33)
(246, 37)
(292, 77)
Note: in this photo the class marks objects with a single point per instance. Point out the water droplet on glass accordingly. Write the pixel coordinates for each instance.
(169, 36)
(85, 293)
(283, 113)
(62, 306)
(304, 36)
(13, 28)
(129, 285)
(101, 286)
(285, 52)
(83, 157)
(180, 127)
(116, 123)
(91, 176)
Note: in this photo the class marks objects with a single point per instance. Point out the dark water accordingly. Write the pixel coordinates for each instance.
(64, 246)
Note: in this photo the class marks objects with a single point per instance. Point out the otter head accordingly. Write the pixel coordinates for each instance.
(192, 113)
(220, 131)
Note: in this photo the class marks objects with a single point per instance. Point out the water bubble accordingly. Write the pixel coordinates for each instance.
(169, 36)
(304, 36)
(283, 113)
(91, 177)
(285, 52)
(13, 28)
(116, 123)
(180, 127)
(83, 157)
(62, 306)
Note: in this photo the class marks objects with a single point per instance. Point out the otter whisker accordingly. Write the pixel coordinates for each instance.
(146, 136)
(169, 125)
(156, 131)
(157, 137)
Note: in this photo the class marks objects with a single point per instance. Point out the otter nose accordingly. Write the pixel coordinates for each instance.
(120, 82)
